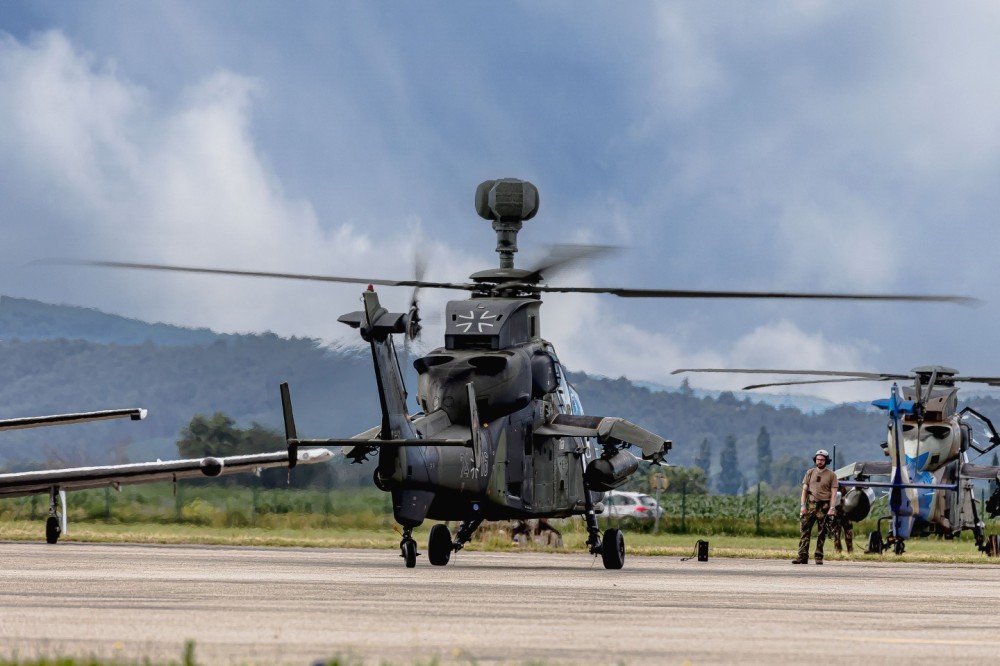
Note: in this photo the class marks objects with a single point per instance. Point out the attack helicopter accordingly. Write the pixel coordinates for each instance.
(928, 445)
(500, 433)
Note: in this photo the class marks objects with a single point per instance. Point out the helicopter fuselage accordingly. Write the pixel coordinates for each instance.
(929, 458)
(929, 495)
(520, 475)
(497, 384)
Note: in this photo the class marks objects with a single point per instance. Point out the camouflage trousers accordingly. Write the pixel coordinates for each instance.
(815, 513)
(842, 524)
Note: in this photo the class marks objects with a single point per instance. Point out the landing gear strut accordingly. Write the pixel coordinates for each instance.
(53, 524)
(876, 546)
(612, 548)
(593, 529)
(408, 548)
(465, 532)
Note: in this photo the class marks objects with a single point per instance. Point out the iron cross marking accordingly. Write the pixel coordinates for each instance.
(479, 323)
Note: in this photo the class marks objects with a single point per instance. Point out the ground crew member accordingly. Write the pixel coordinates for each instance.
(819, 487)
(841, 523)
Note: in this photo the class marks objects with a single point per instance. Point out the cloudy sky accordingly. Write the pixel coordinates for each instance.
(811, 145)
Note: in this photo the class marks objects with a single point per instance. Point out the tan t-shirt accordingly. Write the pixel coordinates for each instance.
(820, 484)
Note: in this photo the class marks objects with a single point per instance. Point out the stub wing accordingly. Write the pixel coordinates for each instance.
(608, 430)
(985, 472)
(136, 414)
(358, 448)
(80, 478)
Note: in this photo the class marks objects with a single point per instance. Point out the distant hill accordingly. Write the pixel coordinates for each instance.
(688, 418)
(237, 376)
(24, 319)
(59, 358)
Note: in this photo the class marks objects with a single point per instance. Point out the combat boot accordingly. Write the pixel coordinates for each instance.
(799, 560)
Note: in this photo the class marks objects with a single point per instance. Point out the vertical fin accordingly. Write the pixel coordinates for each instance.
(378, 329)
(372, 306)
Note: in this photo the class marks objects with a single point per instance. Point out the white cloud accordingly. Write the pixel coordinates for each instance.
(63, 121)
(813, 145)
(784, 343)
(588, 338)
(182, 185)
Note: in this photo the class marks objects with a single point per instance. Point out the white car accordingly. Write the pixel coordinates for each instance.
(624, 504)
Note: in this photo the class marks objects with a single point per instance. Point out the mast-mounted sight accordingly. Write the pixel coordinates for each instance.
(507, 202)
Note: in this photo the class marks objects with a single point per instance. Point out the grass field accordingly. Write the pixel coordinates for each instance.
(929, 549)
(362, 518)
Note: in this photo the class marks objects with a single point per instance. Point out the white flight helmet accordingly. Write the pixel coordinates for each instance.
(822, 452)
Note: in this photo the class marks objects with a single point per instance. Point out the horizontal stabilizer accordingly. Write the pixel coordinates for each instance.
(383, 322)
(894, 405)
(607, 430)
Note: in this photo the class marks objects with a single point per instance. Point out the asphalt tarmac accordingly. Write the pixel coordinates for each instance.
(299, 606)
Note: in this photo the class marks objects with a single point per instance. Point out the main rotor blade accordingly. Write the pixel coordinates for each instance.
(562, 256)
(992, 381)
(850, 376)
(750, 387)
(622, 292)
(265, 274)
(873, 376)
(691, 293)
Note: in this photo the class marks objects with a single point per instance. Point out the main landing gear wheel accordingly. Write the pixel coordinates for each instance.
(613, 549)
(875, 545)
(439, 545)
(899, 547)
(52, 529)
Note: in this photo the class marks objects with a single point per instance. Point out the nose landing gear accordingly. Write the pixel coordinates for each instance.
(408, 548)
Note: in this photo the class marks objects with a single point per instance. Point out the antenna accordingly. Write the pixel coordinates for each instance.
(508, 202)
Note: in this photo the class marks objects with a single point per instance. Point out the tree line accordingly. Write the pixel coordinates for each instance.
(176, 373)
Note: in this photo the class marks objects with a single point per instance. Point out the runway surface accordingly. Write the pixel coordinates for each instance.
(284, 605)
